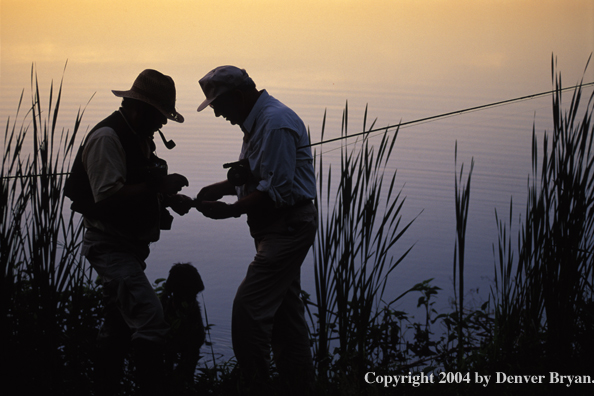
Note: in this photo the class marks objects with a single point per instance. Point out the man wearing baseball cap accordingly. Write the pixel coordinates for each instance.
(277, 196)
(122, 188)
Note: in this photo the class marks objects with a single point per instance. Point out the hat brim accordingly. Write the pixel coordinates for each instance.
(205, 104)
(171, 115)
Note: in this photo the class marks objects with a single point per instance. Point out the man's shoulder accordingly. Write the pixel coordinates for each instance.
(105, 138)
(109, 128)
(275, 106)
(278, 115)
(103, 132)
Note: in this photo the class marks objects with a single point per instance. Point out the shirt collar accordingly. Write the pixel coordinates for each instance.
(250, 121)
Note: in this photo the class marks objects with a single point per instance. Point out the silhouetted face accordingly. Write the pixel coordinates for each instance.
(150, 120)
(228, 106)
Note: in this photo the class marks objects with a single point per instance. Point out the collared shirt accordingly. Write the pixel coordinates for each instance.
(273, 144)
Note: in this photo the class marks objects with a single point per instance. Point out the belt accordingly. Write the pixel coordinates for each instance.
(268, 216)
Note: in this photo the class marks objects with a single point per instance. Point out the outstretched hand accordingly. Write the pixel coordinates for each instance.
(217, 210)
(173, 183)
(181, 204)
(210, 193)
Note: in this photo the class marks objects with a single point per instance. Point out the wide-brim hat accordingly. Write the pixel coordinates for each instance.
(156, 89)
(221, 80)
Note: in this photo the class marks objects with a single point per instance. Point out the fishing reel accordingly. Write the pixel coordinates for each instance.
(239, 172)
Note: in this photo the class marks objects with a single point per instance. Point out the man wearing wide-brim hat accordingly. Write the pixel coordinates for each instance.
(122, 188)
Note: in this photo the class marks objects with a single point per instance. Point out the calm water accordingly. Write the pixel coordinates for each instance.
(402, 71)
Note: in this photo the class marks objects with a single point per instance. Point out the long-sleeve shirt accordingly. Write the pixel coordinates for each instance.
(273, 144)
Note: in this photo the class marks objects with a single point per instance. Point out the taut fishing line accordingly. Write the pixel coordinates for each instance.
(445, 115)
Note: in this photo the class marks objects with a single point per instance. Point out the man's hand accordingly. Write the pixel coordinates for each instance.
(209, 193)
(214, 192)
(218, 210)
(181, 204)
(172, 184)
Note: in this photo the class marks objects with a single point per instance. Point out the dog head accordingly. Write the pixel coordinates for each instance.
(184, 281)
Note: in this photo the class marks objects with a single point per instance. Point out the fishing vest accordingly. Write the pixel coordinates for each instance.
(128, 216)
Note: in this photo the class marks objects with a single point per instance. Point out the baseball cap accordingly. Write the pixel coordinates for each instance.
(221, 80)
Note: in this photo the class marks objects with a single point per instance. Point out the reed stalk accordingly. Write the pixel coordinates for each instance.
(544, 299)
(462, 205)
(360, 223)
(42, 275)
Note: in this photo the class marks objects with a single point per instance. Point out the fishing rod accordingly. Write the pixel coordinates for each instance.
(451, 113)
(170, 144)
(35, 175)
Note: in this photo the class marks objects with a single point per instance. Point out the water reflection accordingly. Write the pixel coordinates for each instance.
(405, 60)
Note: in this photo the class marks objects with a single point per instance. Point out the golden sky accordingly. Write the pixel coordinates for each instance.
(395, 40)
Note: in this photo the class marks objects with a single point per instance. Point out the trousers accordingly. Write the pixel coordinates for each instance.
(133, 315)
(126, 287)
(268, 313)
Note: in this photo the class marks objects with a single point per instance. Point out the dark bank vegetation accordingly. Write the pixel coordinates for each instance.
(539, 317)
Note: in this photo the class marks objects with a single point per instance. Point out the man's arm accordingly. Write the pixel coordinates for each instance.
(221, 210)
(216, 191)
(105, 164)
